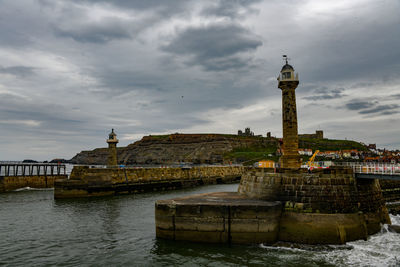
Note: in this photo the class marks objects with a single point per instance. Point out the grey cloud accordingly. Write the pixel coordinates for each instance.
(324, 94)
(359, 105)
(20, 71)
(142, 5)
(220, 64)
(96, 32)
(216, 46)
(230, 8)
(120, 81)
(51, 116)
(390, 112)
(395, 96)
(385, 109)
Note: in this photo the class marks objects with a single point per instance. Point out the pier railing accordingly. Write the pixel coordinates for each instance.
(32, 169)
(372, 168)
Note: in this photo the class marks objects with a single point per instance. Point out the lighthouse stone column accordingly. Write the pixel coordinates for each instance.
(112, 148)
(288, 83)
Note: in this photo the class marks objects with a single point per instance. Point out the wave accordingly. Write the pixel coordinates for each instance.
(32, 189)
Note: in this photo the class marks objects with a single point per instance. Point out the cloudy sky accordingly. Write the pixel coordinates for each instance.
(72, 70)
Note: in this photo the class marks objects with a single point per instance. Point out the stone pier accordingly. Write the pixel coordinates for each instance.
(10, 183)
(90, 182)
(224, 217)
(323, 207)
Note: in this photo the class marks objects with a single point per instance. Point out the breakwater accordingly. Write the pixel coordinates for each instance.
(85, 181)
(323, 206)
(327, 206)
(10, 183)
(391, 193)
(19, 175)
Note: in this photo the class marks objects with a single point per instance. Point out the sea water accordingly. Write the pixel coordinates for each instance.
(36, 230)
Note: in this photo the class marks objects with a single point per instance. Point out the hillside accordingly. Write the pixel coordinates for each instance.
(204, 149)
(175, 148)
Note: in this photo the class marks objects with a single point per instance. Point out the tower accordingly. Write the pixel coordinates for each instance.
(112, 149)
(288, 82)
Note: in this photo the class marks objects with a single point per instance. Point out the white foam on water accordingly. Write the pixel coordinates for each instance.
(381, 249)
(31, 189)
(281, 248)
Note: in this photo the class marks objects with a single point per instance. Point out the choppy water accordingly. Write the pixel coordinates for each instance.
(119, 231)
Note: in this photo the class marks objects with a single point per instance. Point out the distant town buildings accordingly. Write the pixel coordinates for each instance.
(305, 151)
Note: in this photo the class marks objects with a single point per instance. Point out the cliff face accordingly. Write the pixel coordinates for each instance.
(204, 148)
(94, 157)
(166, 149)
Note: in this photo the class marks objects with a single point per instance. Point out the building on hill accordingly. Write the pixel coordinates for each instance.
(319, 134)
(247, 132)
(371, 146)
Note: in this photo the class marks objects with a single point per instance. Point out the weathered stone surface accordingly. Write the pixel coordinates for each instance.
(332, 190)
(10, 183)
(390, 190)
(234, 218)
(310, 198)
(86, 182)
(223, 217)
(291, 157)
(314, 228)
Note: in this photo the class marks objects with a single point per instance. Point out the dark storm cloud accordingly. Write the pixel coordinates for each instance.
(325, 94)
(216, 46)
(230, 8)
(96, 32)
(19, 71)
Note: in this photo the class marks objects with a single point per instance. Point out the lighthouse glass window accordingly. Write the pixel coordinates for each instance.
(286, 75)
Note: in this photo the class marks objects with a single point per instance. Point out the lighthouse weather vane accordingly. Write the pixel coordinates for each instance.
(285, 57)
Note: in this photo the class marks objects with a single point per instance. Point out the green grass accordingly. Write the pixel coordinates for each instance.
(249, 155)
(330, 144)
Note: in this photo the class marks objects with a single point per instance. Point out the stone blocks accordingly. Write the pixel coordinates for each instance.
(218, 218)
(9, 183)
(87, 182)
(325, 206)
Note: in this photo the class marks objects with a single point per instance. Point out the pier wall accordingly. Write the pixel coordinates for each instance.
(340, 206)
(390, 190)
(391, 193)
(10, 183)
(87, 182)
(324, 206)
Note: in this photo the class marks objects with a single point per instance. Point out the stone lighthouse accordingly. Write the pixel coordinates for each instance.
(112, 149)
(288, 82)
